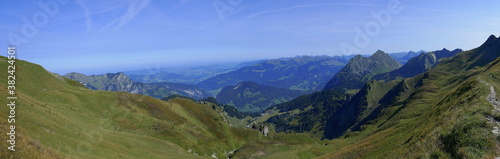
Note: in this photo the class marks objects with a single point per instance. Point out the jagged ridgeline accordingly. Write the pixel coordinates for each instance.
(444, 112)
(418, 64)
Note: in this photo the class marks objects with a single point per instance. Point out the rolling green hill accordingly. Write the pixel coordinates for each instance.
(60, 118)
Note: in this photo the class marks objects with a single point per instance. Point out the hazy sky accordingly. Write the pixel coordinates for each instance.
(96, 36)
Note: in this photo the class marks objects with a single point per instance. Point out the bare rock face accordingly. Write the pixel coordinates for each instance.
(265, 130)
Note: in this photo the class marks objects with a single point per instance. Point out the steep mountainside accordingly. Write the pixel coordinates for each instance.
(418, 65)
(360, 70)
(307, 113)
(120, 82)
(307, 73)
(447, 112)
(317, 112)
(251, 97)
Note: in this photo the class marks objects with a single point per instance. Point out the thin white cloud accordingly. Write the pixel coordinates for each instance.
(86, 14)
(134, 7)
(308, 5)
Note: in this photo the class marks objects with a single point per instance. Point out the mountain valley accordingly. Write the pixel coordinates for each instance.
(439, 104)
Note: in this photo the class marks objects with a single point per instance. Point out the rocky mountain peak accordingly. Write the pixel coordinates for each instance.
(492, 40)
(119, 77)
(74, 74)
(380, 54)
(352, 76)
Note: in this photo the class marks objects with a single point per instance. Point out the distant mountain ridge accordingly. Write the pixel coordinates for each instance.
(418, 65)
(307, 73)
(360, 69)
(120, 82)
(403, 57)
(189, 75)
(249, 96)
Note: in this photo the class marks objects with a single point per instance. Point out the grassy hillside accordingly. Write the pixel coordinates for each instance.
(450, 111)
(307, 113)
(447, 116)
(60, 118)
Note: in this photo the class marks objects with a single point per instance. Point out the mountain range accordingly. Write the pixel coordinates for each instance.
(403, 57)
(448, 111)
(120, 82)
(306, 73)
(418, 64)
(185, 75)
(447, 108)
(61, 118)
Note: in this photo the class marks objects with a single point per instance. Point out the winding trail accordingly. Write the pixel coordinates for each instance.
(492, 98)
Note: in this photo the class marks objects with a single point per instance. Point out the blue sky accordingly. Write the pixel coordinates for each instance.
(95, 36)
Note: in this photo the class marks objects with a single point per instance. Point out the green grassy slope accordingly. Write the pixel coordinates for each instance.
(446, 116)
(442, 113)
(59, 118)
